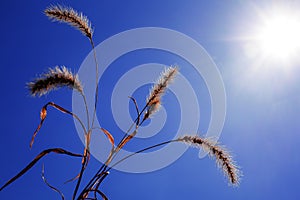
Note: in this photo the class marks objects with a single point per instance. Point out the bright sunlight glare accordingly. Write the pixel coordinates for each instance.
(279, 38)
(271, 47)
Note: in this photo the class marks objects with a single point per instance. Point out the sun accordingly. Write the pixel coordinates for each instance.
(279, 36)
(270, 45)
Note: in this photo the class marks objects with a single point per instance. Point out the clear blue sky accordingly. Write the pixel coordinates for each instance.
(263, 100)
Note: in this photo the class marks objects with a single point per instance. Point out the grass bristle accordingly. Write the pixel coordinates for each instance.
(70, 16)
(222, 156)
(55, 78)
(157, 91)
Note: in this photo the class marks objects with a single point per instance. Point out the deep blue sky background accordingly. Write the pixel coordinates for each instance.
(263, 109)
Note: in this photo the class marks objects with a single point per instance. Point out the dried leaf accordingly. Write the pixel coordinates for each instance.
(43, 115)
(59, 108)
(35, 160)
(110, 137)
(124, 141)
(85, 160)
(72, 179)
(101, 193)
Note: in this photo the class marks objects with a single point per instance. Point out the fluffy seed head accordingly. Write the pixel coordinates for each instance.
(154, 97)
(55, 78)
(72, 17)
(223, 158)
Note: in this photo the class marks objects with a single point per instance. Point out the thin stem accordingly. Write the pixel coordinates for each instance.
(130, 155)
(83, 166)
(99, 192)
(137, 109)
(104, 166)
(111, 157)
(137, 119)
(97, 183)
(137, 126)
(84, 163)
(50, 186)
(86, 110)
(88, 118)
(90, 182)
(97, 77)
(140, 151)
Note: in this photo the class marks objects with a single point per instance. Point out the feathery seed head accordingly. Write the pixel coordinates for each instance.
(55, 78)
(70, 16)
(154, 97)
(223, 158)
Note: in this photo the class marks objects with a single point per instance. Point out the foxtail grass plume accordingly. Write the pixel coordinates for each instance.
(154, 98)
(70, 16)
(55, 78)
(223, 158)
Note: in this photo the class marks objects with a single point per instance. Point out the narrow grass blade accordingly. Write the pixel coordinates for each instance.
(50, 186)
(109, 136)
(137, 110)
(43, 115)
(127, 139)
(35, 160)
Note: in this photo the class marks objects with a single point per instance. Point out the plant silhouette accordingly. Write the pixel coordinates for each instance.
(60, 76)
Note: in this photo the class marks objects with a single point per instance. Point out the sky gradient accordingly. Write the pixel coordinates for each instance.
(263, 100)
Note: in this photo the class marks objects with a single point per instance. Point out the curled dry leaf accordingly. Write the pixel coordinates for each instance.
(36, 159)
(43, 115)
(127, 139)
(109, 136)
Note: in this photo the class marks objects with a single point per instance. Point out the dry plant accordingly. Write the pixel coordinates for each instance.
(62, 77)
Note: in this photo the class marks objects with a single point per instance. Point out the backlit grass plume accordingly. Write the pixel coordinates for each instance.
(158, 90)
(59, 77)
(70, 16)
(53, 79)
(222, 157)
